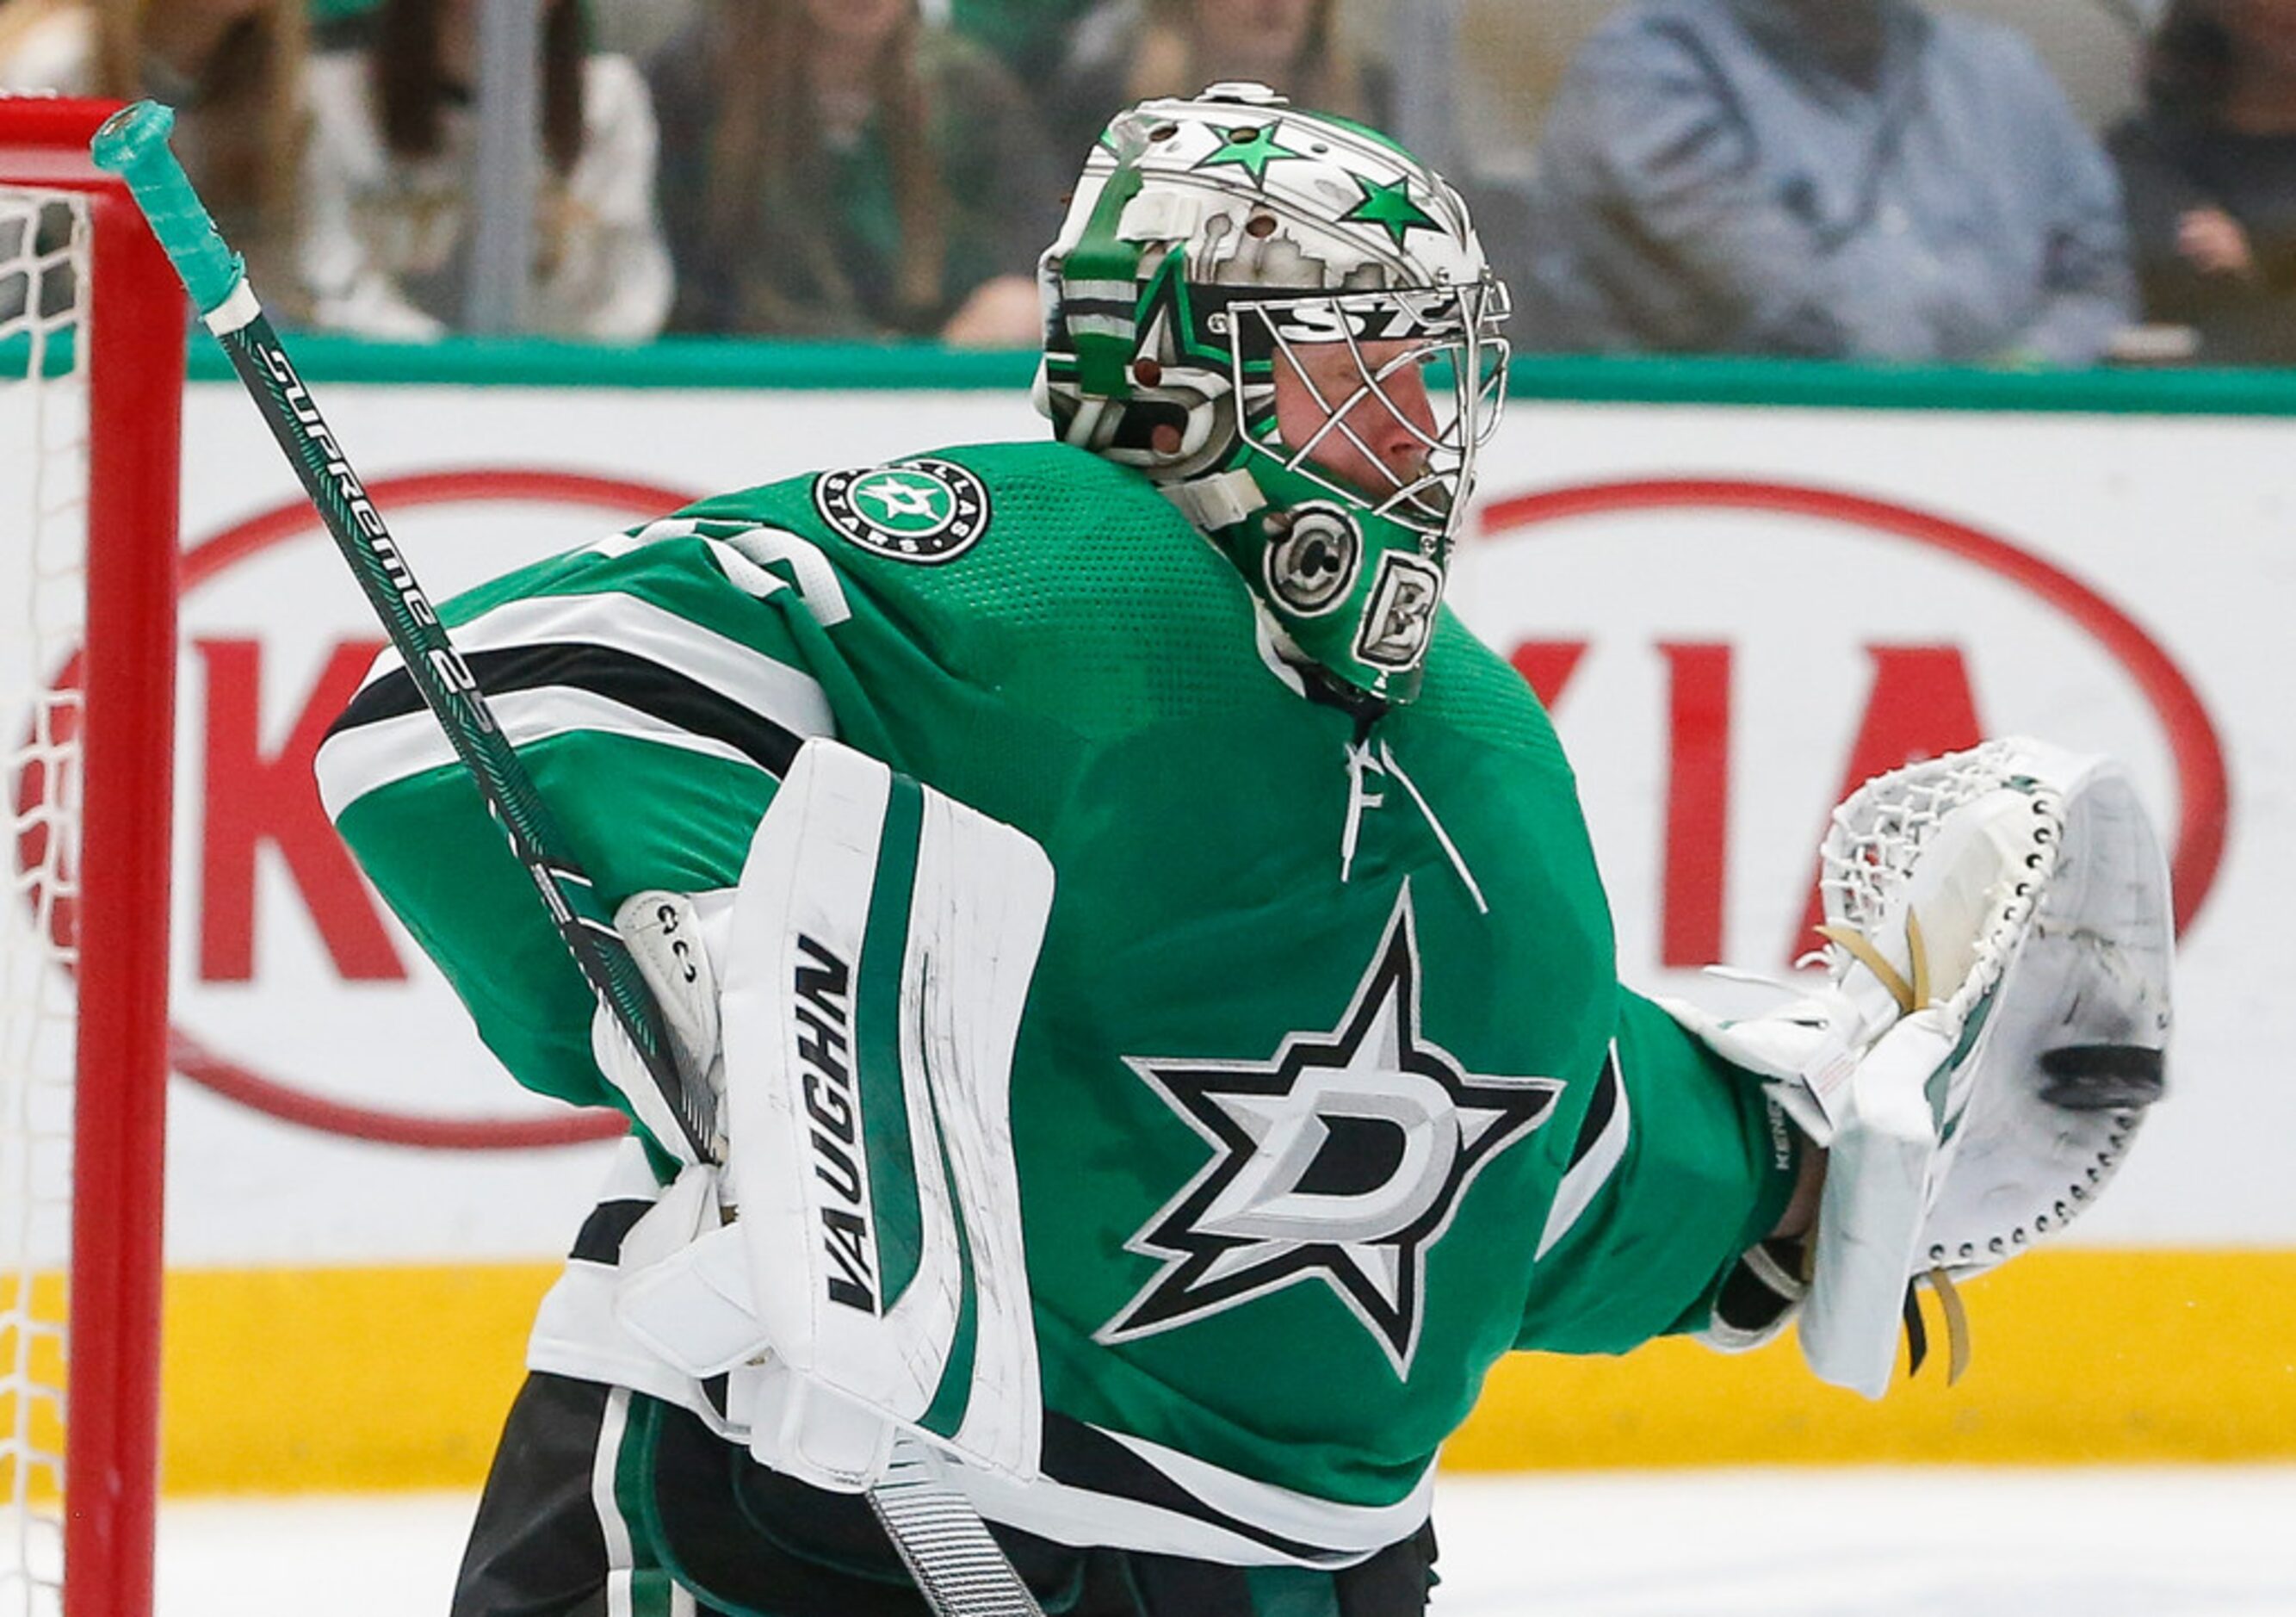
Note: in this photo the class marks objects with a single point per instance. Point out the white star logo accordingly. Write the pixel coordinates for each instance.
(1341, 1159)
(896, 498)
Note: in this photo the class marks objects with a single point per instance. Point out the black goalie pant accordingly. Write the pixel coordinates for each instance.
(602, 1503)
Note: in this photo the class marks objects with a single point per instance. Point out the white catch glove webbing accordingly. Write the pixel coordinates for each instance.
(664, 932)
(2000, 930)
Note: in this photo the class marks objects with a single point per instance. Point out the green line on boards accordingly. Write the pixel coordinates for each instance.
(733, 363)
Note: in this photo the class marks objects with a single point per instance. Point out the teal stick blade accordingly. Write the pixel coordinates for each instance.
(133, 143)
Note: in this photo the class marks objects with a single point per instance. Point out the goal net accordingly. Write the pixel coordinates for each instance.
(91, 364)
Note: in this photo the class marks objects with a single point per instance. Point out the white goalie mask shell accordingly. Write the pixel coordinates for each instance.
(1206, 238)
(1321, 178)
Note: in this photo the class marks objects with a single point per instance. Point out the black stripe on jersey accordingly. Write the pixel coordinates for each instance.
(1598, 1109)
(633, 681)
(603, 1232)
(1078, 1457)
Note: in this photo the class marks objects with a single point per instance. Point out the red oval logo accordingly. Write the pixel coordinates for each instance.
(1766, 561)
(262, 805)
(1513, 613)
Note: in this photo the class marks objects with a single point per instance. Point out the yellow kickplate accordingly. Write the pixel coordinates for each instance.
(291, 1380)
(2089, 1355)
(288, 1380)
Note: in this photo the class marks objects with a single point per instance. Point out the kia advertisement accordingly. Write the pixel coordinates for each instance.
(1734, 615)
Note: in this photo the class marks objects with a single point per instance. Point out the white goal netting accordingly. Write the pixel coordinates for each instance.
(44, 458)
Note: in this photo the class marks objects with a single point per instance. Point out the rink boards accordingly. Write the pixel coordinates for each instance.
(1731, 608)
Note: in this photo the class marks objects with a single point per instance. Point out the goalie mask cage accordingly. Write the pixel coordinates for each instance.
(92, 334)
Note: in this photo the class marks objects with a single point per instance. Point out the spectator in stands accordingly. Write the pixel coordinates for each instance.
(61, 45)
(1031, 36)
(1129, 51)
(232, 70)
(388, 176)
(1854, 178)
(839, 168)
(341, 24)
(2210, 169)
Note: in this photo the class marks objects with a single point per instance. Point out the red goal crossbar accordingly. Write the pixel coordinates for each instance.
(135, 328)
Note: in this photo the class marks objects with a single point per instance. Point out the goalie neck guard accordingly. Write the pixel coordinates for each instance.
(1213, 245)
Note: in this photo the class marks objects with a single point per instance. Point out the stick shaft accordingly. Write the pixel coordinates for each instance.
(959, 1569)
(581, 915)
(133, 144)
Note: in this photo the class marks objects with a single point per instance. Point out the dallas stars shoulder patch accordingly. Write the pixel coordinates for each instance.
(1341, 1159)
(923, 510)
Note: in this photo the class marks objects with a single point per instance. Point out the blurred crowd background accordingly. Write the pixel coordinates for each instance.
(2022, 183)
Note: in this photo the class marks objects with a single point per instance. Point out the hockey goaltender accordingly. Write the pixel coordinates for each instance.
(1157, 981)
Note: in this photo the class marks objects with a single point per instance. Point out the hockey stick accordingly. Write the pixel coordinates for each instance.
(957, 1566)
(133, 143)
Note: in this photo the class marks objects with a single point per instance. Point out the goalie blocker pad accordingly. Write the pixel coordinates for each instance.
(883, 942)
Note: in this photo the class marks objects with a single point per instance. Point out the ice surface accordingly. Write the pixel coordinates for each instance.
(1931, 1542)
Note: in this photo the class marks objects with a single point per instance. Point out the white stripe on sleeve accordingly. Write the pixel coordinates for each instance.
(355, 762)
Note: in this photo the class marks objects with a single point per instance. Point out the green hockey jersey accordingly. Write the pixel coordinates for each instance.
(1326, 1095)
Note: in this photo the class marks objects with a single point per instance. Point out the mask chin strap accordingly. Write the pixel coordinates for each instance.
(1217, 501)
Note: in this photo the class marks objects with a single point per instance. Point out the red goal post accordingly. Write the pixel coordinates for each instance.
(92, 338)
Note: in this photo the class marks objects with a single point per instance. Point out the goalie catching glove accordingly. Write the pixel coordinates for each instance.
(1990, 1032)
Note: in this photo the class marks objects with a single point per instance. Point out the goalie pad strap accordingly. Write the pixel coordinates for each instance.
(1758, 1297)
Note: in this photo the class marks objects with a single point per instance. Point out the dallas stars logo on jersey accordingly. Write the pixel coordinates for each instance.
(1342, 1160)
(921, 510)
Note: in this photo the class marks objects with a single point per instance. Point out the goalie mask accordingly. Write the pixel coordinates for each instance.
(1286, 321)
